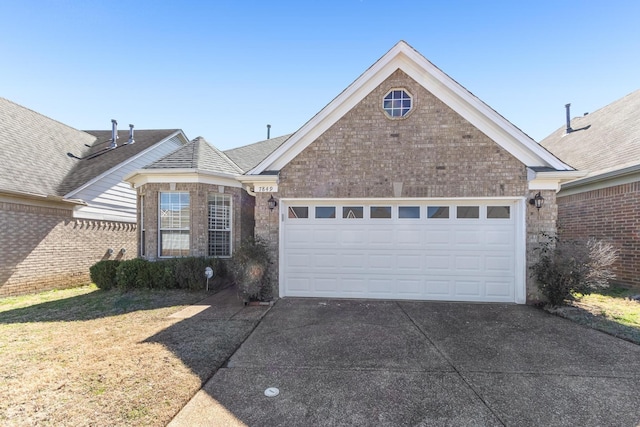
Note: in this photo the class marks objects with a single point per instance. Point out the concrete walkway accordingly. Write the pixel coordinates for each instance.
(378, 363)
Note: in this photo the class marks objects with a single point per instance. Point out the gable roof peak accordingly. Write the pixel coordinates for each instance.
(197, 154)
(404, 57)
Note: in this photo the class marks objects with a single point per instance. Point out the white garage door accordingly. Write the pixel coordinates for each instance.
(403, 249)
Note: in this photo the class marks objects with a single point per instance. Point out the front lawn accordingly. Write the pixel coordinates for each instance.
(91, 357)
(610, 311)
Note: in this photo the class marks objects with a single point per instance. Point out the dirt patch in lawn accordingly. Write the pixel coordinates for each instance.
(90, 357)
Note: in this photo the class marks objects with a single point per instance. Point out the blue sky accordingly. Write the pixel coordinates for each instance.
(226, 69)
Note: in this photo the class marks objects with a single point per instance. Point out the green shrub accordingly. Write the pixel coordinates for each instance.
(133, 274)
(103, 273)
(189, 272)
(570, 267)
(174, 273)
(161, 274)
(249, 268)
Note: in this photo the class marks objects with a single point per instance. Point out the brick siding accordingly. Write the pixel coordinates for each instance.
(433, 152)
(610, 214)
(45, 248)
(242, 215)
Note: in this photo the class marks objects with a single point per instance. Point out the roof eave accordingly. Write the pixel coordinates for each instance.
(145, 176)
(404, 57)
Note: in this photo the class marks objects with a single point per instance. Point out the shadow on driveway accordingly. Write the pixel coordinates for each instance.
(340, 362)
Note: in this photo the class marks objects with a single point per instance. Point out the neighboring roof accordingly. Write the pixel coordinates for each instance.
(606, 139)
(34, 150)
(199, 155)
(248, 156)
(41, 156)
(90, 167)
(404, 57)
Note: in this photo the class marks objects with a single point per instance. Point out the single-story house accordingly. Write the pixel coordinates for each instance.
(405, 186)
(605, 204)
(63, 203)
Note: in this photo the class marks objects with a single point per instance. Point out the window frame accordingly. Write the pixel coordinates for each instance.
(389, 111)
(180, 230)
(225, 230)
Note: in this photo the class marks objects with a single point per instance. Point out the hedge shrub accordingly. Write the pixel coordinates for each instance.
(103, 273)
(175, 273)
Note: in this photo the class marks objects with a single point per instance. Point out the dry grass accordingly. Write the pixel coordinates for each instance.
(609, 311)
(90, 357)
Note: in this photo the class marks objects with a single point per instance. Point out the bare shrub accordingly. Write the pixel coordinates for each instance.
(249, 266)
(571, 266)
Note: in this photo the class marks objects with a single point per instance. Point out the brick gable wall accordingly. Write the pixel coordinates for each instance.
(45, 248)
(611, 214)
(433, 152)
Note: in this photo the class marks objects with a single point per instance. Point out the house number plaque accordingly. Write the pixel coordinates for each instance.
(266, 188)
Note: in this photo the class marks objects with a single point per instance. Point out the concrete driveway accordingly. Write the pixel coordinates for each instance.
(340, 362)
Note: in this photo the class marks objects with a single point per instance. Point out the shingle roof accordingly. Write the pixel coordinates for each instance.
(250, 155)
(34, 150)
(611, 140)
(197, 154)
(89, 168)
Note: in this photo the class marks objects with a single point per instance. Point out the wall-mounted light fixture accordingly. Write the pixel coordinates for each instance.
(537, 201)
(123, 251)
(272, 203)
(110, 251)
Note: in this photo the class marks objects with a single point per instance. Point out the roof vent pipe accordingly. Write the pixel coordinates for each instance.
(568, 107)
(268, 131)
(131, 140)
(114, 134)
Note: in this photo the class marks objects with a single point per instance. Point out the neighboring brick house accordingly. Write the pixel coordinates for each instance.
(605, 204)
(63, 203)
(405, 186)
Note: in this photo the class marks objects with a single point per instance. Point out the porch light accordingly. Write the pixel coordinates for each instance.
(272, 203)
(537, 201)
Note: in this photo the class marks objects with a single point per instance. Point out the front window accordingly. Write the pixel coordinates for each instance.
(219, 225)
(174, 220)
(397, 103)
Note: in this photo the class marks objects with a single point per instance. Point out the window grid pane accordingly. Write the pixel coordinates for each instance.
(397, 103)
(219, 225)
(175, 218)
(219, 243)
(174, 243)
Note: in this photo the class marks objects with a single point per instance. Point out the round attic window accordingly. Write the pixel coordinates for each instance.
(397, 103)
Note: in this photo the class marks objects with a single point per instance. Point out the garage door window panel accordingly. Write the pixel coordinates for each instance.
(298, 212)
(353, 212)
(468, 212)
(380, 212)
(325, 212)
(498, 212)
(409, 212)
(438, 212)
